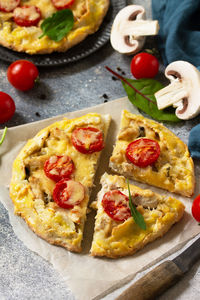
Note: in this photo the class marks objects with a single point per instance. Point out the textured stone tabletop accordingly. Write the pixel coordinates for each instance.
(23, 274)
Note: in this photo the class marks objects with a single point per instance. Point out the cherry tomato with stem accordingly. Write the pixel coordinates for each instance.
(22, 74)
(144, 65)
(196, 208)
(7, 107)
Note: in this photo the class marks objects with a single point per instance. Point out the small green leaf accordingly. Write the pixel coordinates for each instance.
(137, 217)
(3, 136)
(58, 25)
(148, 87)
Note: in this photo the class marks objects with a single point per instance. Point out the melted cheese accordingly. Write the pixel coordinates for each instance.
(28, 13)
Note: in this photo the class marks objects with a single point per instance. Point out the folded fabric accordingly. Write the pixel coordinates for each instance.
(179, 34)
(194, 142)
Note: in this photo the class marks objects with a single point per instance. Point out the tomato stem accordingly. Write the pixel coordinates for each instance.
(3, 136)
(128, 83)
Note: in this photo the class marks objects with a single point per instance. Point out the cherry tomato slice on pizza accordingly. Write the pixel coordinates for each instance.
(68, 193)
(196, 208)
(62, 4)
(143, 152)
(8, 6)
(27, 15)
(87, 140)
(115, 204)
(58, 167)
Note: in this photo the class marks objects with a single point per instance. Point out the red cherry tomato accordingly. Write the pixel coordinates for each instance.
(7, 107)
(58, 167)
(87, 140)
(27, 15)
(62, 4)
(196, 208)
(8, 6)
(115, 204)
(143, 152)
(22, 74)
(144, 65)
(68, 193)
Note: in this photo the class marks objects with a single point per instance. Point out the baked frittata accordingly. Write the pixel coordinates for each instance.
(20, 22)
(53, 175)
(148, 152)
(116, 234)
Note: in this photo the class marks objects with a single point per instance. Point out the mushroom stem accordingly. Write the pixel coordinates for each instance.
(139, 28)
(171, 94)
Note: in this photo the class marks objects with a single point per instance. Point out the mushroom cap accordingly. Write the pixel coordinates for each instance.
(123, 43)
(189, 106)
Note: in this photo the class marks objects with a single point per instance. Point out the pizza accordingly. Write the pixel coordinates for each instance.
(53, 175)
(20, 23)
(148, 152)
(116, 234)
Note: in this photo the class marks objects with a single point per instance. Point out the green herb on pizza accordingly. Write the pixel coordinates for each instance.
(58, 25)
(137, 217)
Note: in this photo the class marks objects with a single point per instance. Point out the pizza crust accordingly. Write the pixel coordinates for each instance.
(88, 15)
(31, 190)
(174, 169)
(117, 239)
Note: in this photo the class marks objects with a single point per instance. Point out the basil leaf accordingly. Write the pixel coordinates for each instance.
(137, 217)
(3, 136)
(149, 87)
(58, 25)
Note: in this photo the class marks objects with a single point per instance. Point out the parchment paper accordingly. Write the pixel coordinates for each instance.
(86, 276)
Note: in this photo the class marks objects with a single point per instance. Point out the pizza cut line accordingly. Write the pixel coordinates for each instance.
(148, 152)
(20, 22)
(116, 234)
(53, 176)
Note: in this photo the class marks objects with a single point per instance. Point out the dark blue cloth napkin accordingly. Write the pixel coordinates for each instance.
(179, 34)
(194, 142)
(179, 39)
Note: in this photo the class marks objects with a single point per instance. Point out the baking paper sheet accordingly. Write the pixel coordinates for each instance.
(86, 276)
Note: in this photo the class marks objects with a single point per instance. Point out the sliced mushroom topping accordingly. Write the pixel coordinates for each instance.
(130, 28)
(183, 92)
(145, 201)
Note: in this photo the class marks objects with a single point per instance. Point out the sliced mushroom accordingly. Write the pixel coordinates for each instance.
(130, 28)
(183, 92)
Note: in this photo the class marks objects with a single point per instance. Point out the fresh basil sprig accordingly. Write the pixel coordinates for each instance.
(58, 25)
(3, 136)
(137, 217)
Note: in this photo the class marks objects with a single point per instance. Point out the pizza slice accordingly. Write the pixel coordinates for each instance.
(53, 176)
(148, 152)
(116, 234)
